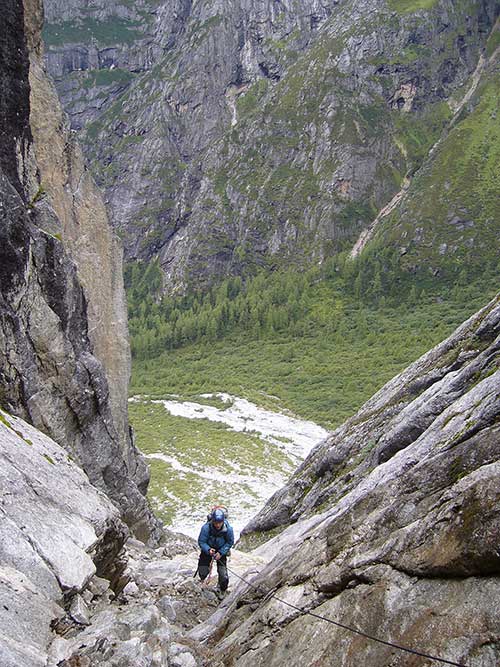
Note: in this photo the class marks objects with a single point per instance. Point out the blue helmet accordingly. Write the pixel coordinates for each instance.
(218, 515)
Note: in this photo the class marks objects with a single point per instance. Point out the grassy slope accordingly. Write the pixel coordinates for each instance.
(325, 374)
(113, 30)
(450, 219)
(225, 457)
(344, 355)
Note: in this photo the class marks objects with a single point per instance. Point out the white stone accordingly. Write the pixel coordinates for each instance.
(79, 611)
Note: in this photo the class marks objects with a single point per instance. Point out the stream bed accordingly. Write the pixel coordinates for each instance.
(216, 449)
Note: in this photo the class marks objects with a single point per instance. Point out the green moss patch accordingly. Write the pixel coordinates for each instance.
(411, 6)
(112, 31)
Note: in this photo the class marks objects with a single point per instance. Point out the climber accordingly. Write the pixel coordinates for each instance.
(215, 540)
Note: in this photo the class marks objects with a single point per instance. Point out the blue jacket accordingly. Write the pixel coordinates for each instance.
(220, 540)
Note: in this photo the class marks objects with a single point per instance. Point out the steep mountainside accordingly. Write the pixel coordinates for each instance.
(64, 356)
(448, 220)
(272, 132)
(94, 51)
(389, 526)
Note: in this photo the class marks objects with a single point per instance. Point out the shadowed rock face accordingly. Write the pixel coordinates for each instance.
(64, 359)
(390, 525)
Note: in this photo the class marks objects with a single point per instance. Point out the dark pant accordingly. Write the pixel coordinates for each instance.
(204, 567)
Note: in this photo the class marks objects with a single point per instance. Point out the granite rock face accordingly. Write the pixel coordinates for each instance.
(390, 526)
(57, 532)
(64, 358)
(73, 589)
(94, 51)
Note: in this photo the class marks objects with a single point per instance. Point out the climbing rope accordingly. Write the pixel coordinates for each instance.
(358, 632)
(206, 582)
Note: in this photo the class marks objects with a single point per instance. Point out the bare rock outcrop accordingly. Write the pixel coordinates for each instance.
(57, 532)
(262, 133)
(84, 229)
(74, 588)
(390, 526)
(64, 359)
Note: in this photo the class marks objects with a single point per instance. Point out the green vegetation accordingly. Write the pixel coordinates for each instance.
(249, 101)
(107, 77)
(112, 31)
(5, 421)
(410, 6)
(92, 131)
(418, 133)
(39, 194)
(493, 41)
(322, 341)
(450, 220)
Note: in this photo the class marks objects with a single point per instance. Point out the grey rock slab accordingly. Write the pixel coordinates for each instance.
(141, 618)
(88, 596)
(25, 617)
(166, 607)
(15, 654)
(120, 637)
(99, 586)
(64, 353)
(43, 504)
(183, 660)
(53, 524)
(17, 552)
(161, 572)
(131, 589)
(79, 611)
(59, 650)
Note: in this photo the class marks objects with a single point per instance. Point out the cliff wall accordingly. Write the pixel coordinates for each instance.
(262, 133)
(64, 358)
